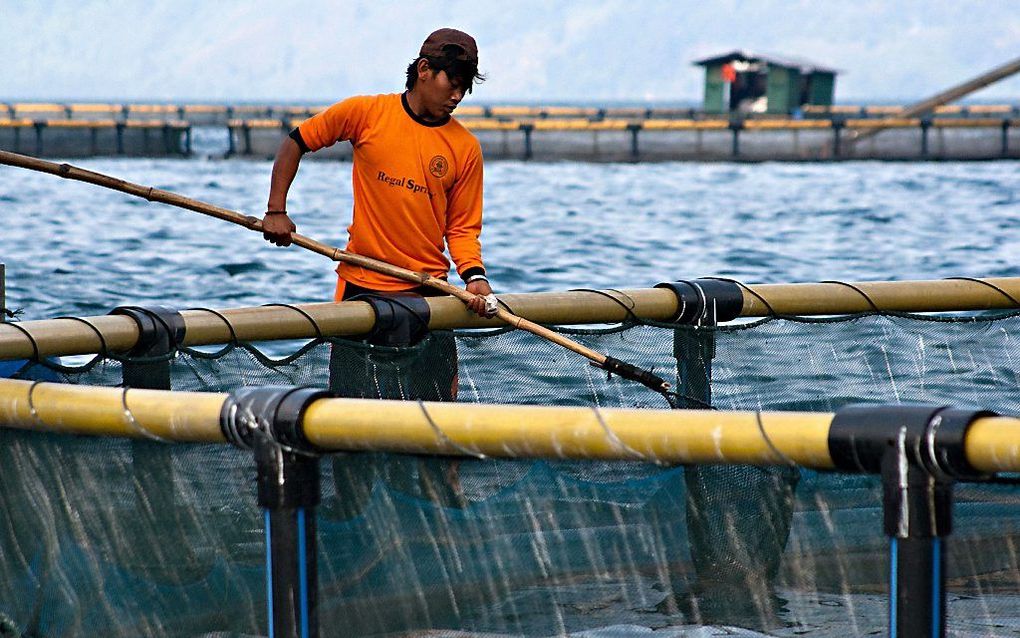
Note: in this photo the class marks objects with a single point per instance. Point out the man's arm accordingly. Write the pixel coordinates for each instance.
(277, 225)
(464, 226)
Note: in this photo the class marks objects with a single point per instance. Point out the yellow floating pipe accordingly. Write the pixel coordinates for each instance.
(883, 123)
(967, 122)
(155, 124)
(664, 436)
(39, 107)
(63, 337)
(152, 108)
(59, 337)
(95, 411)
(1004, 109)
(81, 123)
(993, 444)
(786, 125)
(491, 125)
(91, 107)
(258, 123)
(834, 298)
(204, 108)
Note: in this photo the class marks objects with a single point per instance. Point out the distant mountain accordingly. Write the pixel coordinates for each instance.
(600, 50)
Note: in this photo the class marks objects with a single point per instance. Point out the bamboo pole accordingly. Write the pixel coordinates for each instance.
(336, 254)
(944, 97)
(992, 444)
(63, 337)
(837, 298)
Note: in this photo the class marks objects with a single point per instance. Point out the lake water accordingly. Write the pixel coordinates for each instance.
(73, 248)
(76, 249)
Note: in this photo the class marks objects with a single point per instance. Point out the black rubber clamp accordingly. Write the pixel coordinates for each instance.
(705, 301)
(860, 436)
(401, 318)
(269, 412)
(160, 329)
(268, 421)
(948, 431)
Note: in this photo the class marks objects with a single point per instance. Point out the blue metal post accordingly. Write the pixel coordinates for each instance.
(925, 126)
(288, 492)
(527, 128)
(268, 422)
(634, 129)
(735, 126)
(918, 514)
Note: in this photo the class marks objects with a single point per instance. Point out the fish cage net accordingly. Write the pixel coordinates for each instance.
(104, 536)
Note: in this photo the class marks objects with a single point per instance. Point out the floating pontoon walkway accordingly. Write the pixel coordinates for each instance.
(543, 133)
(220, 114)
(95, 137)
(742, 140)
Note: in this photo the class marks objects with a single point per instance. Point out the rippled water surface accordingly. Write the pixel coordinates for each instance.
(76, 249)
(73, 248)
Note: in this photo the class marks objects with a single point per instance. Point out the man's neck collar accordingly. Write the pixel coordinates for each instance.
(407, 98)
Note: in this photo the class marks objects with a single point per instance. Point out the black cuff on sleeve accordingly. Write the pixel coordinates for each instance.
(296, 136)
(471, 272)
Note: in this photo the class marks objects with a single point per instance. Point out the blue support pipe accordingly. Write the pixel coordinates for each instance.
(267, 421)
(917, 517)
(289, 515)
(919, 453)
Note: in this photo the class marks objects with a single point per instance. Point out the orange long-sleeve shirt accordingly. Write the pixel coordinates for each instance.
(417, 185)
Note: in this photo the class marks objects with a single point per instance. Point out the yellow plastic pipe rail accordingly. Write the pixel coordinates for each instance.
(860, 125)
(464, 429)
(60, 337)
(507, 110)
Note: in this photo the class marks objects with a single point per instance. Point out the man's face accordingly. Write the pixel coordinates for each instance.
(440, 95)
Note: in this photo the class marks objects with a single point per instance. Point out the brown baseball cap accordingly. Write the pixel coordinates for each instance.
(433, 45)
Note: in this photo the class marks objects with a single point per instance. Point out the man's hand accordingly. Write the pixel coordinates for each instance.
(277, 228)
(480, 305)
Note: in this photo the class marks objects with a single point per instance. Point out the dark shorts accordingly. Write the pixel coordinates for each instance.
(425, 371)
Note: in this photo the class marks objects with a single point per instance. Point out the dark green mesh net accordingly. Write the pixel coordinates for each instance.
(120, 538)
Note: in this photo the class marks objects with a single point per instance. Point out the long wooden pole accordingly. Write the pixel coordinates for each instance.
(944, 97)
(336, 254)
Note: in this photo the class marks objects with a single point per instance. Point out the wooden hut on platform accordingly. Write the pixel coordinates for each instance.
(751, 83)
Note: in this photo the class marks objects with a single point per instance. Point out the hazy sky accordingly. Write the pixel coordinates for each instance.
(596, 50)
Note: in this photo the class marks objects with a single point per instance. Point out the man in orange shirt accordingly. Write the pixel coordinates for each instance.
(417, 175)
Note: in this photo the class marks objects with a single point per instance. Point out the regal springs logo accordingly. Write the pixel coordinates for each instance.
(438, 166)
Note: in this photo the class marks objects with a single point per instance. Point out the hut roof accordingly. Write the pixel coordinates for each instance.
(805, 66)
